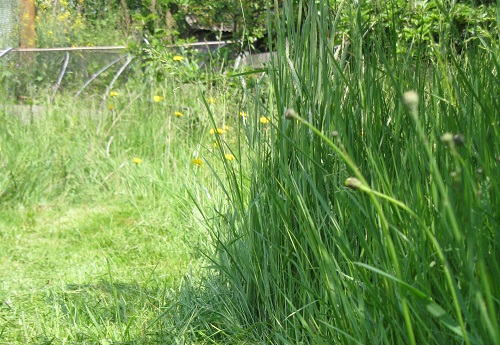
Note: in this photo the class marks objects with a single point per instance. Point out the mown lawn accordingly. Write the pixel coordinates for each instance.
(99, 219)
(89, 272)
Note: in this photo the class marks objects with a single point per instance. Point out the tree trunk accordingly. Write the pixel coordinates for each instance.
(126, 16)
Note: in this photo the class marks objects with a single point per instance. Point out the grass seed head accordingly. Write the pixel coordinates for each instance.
(459, 139)
(447, 138)
(410, 99)
(290, 114)
(455, 176)
(353, 183)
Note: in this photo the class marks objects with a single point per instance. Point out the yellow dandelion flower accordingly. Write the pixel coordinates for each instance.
(243, 114)
(137, 160)
(113, 94)
(211, 100)
(264, 119)
(216, 144)
(178, 114)
(229, 156)
(157, 98)
(217, 130)
(197, 162)
(111, 107)
(178, 58)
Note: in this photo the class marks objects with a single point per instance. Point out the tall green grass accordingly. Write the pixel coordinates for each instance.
(367, 214)
(79, 148)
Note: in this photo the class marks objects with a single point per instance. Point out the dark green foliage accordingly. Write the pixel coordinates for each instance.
(412, 25)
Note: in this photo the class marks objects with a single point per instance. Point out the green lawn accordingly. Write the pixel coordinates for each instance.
(89, 272)
(99, 221)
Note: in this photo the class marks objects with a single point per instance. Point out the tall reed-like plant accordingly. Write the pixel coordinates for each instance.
(372, 207)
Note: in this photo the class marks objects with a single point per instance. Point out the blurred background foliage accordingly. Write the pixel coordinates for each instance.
(147, 27)
(101, 22)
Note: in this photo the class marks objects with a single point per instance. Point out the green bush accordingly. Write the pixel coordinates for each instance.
(67, 24)
(411, 26)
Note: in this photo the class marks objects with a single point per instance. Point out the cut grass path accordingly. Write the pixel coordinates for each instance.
(93, 273)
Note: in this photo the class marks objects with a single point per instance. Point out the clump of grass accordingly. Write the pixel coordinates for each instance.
(356, 219)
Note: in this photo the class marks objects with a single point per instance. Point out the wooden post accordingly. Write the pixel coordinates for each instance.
(27, 37)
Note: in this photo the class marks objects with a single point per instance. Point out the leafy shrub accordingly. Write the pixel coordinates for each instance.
(66, 24)
(411, 26)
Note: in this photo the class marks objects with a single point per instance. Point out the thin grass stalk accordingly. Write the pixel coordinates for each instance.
(446, 203)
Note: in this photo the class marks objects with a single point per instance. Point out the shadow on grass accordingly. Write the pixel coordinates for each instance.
(106, 312)
(109, 312)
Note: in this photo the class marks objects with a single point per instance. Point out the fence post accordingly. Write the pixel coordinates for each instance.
(27, 24)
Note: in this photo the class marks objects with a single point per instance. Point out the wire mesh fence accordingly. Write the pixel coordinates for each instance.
(25, 72)
(9, 13)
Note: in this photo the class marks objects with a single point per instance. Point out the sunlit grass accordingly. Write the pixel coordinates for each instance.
(350, 195)
(98, 227)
